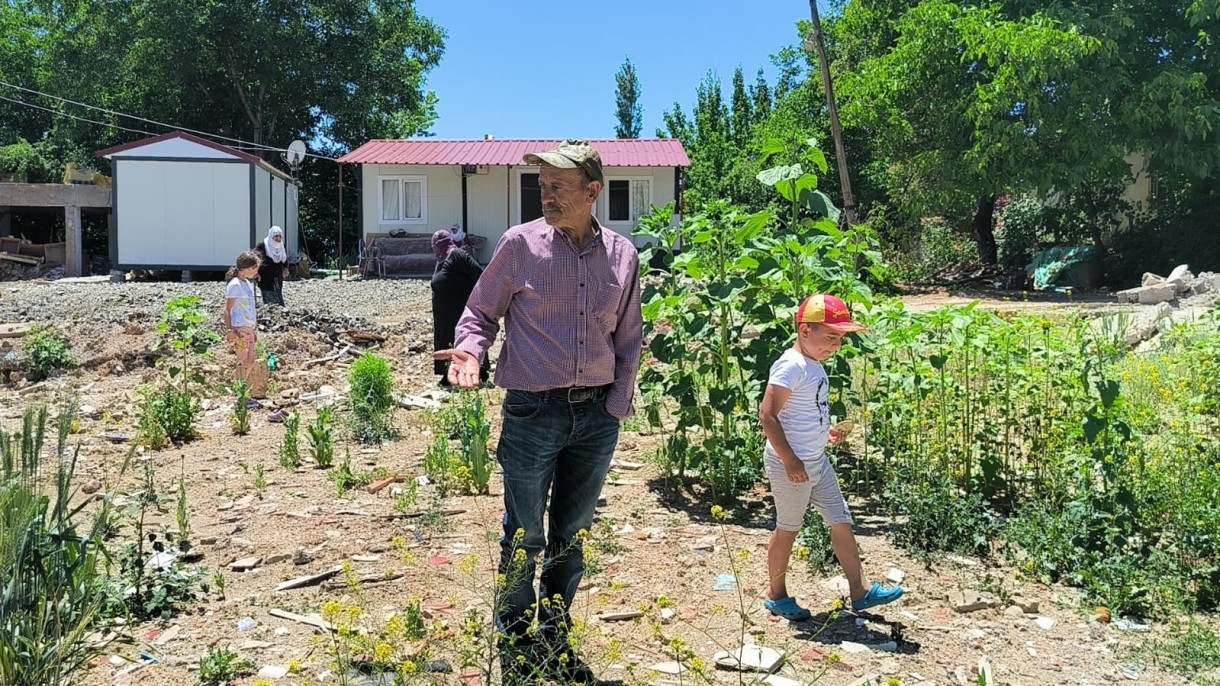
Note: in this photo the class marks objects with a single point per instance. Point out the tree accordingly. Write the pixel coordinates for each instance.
(628, 110)
(333, 73)
(742, 110)
(968, 103)
(760, 94)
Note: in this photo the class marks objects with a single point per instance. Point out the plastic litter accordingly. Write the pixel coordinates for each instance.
(725, 582)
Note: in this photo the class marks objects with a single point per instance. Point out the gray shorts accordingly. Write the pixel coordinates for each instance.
(792, 499)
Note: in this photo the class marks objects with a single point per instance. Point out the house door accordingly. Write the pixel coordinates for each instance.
(530, 198)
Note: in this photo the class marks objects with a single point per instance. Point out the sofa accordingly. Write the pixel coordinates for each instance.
(408, 255)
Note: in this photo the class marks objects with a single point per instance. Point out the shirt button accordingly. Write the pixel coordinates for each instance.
(582, 313)
(582, 284)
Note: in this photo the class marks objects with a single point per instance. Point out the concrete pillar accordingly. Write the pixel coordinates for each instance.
(6, 222)
(72, 235)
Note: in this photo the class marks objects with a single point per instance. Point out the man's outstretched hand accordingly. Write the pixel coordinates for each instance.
(463, 367)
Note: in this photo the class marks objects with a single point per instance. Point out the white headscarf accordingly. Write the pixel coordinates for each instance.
(457, 233)
(275, 250)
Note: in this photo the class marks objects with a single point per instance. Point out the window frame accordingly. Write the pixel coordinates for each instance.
(652, 197)
(403, 180)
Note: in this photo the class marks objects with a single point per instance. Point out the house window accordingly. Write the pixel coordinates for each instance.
(628, 199)
(404, 199)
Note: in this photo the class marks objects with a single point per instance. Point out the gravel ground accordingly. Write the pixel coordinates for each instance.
(388, 304)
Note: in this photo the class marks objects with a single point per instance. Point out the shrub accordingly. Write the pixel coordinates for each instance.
(814, 542)
(46, 352)
(148, 584)
(290, 452)
(322, 440)
(219, 666)
(439, 463)
(372, 399)
(241, 408)
(167, 414)
(49, 563)
(1020, 222)
(473, 432)
(937, 517)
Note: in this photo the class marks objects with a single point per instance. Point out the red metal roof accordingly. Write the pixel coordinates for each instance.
(614, 152)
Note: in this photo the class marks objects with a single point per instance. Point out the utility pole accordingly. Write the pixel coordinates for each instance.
(836, 131)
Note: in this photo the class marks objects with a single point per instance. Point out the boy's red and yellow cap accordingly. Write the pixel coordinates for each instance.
(828, 311)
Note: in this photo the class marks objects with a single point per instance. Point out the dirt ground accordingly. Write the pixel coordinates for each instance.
(650, 542)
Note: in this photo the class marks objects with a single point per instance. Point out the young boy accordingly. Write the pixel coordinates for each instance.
(796, 419)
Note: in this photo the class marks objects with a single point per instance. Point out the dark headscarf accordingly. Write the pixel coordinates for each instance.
(442, 245)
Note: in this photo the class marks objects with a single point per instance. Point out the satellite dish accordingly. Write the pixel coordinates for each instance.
(295, 154)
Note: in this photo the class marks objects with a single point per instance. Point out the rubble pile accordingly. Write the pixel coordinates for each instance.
(1181, 283)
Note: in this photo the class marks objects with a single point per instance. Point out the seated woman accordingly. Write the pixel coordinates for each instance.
(453, 279)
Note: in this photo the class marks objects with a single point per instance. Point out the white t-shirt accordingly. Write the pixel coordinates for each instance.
(242, 314)
(805, 418)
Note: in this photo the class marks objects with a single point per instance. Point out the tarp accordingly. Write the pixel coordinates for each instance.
(1063, 266)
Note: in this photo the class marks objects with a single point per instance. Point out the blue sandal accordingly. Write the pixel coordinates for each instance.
(788, 609)
(877, 595)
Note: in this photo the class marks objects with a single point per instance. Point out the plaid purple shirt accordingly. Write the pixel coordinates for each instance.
(570, 318)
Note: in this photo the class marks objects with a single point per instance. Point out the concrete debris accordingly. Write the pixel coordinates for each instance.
(168, 635)
(1148, 295)
(1132, 625)
(1045, 623)
(1026, 605)
(853, 647)
(750, 658)
(1181, 283)
(309, 580)
(969, 601)
(620, 616)
(245, 563)
(272, 672)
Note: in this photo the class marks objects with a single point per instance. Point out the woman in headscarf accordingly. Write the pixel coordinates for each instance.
(274, 266)
(453, 279)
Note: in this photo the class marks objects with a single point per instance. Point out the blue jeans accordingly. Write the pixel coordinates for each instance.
(548, 446)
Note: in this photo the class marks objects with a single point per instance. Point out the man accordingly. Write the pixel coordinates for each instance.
(569, 293)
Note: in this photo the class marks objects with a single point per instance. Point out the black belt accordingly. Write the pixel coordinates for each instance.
(575, 394)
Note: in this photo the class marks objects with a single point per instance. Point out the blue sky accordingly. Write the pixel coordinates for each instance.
(528, 69)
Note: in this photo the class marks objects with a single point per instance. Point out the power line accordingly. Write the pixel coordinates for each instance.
(252, 146)
(73, 116)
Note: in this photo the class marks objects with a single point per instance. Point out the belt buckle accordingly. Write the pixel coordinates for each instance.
(573, 388)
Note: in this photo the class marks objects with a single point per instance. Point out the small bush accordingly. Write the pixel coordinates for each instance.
(290, 451)
(372, 400)
(814, 542)
(322, 440)
(46, 352)
(938, 518)
(1190, 649)
(439, 463)
(343, 478)
(219, 666)
(167, 414)
(241, 408)
(473, 432)
(1020, 224)
(147, 586)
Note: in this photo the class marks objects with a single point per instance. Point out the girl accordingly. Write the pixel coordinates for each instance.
(240, 319)
(274, 266)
